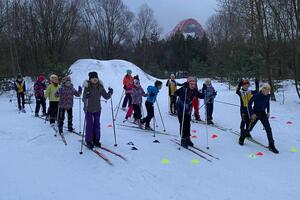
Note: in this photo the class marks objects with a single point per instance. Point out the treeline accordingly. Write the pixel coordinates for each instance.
(256, 38)
(244, 38)
(49, 35)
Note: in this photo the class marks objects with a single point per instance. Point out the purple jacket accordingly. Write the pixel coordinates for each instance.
(65, 95)
(39, 88)
(137, 94)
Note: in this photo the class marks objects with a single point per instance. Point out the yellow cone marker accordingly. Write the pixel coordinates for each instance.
(294, 150)
(195, 161)
(165, 161)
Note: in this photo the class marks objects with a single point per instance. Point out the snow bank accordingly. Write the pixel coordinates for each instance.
(110, 72)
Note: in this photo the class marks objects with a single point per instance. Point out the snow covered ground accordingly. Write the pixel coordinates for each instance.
(36, 165)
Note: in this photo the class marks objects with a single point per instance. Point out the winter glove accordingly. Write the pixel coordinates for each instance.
(152, 94)
(241, 83)
(110, 90)
(253, 117)
(124, 87)
(79, 89)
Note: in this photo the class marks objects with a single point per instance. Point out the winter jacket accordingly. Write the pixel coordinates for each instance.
(127, 80)
(20, 86)
(152, 94)
(246, 95)
(128, 89)
(261, 103)
(92, 96)
(137, 94)
(51, 91)
(172, 85)
(209, 93)
(39, 88)
(65, 94)
(185, 97)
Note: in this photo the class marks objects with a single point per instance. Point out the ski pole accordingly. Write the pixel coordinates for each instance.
(80, 116)
(112, 115)
(205, 103)
(231, 104)
(183, 114)
(162, 121)
(84, 127)
(118, 108)
(154, 130)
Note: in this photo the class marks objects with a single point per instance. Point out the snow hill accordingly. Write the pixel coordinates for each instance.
(36, 165)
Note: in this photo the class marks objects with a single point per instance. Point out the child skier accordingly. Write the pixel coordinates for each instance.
(195, 104)
(20, 88)
(137, 94)
(53, 99)
(93, 91)
(245, 95)
(127, 85)
(152, 92)
(172, 85)
(185, 95)
(209, 95)
(66, 95)
(261, 103)
(39, 88)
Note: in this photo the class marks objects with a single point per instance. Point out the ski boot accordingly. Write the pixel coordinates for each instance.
(189, 142)
(242, 139)
(97, 144)
(36, 115)
(273, 149)
(90, 145)
(184, 143)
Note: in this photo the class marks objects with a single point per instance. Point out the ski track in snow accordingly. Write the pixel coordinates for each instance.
(36, 165)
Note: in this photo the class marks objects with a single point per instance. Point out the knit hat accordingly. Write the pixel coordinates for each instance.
(208, 81)
(191, 79)
(245, 82)
(66, 79)
(266, 86)
(19, 76)
(128, 71)
(53, 77)
(157, 83)
(93, 75)
(41, 78)
(136, 81)
(172, 75)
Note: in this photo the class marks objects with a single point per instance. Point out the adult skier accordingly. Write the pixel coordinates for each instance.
(184, 106)
(259, 108)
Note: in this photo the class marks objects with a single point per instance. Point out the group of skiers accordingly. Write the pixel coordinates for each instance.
(255, 105)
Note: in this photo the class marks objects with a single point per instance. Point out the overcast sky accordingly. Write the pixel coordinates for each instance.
(170, 12)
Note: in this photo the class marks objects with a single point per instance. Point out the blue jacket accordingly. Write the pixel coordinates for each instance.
(209, 93)
(186, 96)
(261, 103)
(152, 93)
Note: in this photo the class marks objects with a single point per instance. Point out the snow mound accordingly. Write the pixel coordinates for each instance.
(110, 72)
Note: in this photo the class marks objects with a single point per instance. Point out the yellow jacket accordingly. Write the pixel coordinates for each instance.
(50, 92)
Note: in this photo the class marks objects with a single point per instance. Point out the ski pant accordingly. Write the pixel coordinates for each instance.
(53, 110)
(196, 107)
(263, 118)
(127, 99)
(209, 111)
(92, 129)
(40, 102)
(137, 111)
(245, 120)
(173, 103)
(61, 118)
(185, 124)
(21, 100)
(150, 113)
(129, 112)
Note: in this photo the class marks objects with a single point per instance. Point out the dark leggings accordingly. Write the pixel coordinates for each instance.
(21, 100)
(53, 109)
(61, 117)
(262, 116)
(40, 102)
(186, 132)
(150, 113)
(128, 100)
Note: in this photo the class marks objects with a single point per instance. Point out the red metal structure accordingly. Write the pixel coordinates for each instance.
(189, 27)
